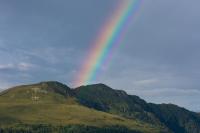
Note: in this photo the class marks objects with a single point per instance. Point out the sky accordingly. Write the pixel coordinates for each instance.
(158, 58)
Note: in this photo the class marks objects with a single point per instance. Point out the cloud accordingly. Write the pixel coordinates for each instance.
(182, 97)
(155, 92)
(145, 82)
(6, 66)
(22, 66)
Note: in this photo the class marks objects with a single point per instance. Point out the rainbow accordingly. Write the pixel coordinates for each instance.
(108, 39)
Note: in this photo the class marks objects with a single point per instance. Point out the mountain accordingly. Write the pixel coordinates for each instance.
(104, 98)
(172, 117)
(176, 118)
(54, 107)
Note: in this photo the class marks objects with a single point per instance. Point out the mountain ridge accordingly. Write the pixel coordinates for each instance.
(100, 98)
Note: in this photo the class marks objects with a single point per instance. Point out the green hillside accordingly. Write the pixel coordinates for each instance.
(55, 104)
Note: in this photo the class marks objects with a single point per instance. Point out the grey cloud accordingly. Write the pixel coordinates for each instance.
(157, 60)
(22, 66)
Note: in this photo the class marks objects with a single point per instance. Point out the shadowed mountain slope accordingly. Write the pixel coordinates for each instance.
(102, 97)
(176, 118)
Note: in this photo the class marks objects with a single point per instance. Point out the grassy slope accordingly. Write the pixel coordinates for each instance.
(39, 104)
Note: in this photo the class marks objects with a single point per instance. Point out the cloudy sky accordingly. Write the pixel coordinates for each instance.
(159, 58)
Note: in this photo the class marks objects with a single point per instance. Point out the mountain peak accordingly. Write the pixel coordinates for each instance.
(43, 91)
(100, 84)
(104, 87)
(55, 86)
(52, 83)
(95, 85)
